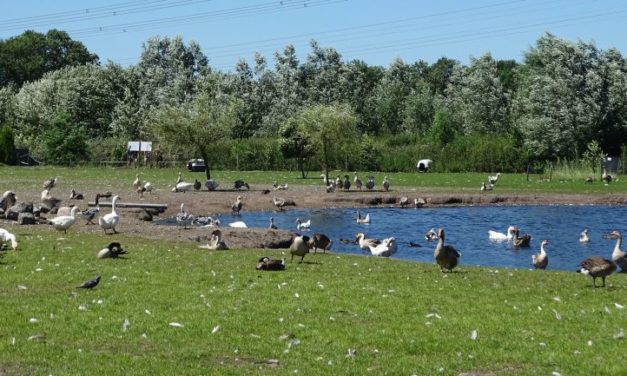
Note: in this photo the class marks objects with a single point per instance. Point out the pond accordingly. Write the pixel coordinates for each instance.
(466, 229)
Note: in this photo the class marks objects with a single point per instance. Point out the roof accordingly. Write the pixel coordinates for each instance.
(139, 146)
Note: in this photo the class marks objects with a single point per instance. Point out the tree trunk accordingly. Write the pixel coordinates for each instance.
(204, 155)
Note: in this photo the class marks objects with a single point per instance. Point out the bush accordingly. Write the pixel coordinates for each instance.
(7, 145)
(64, 144)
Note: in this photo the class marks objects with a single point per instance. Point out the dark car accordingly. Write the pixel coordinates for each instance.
(196, 165)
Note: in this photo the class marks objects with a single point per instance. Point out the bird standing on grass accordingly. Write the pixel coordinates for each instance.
(357, 181)
(113, 250)
(299, 246)
(62, 223)
(90, 284)
(6, 236)
(386, 183)
(446, 256)
(109, 221)
(597, 266)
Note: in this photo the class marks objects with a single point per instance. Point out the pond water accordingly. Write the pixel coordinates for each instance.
(466, 229)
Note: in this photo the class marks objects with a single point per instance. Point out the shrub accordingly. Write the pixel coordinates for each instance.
(7, 145)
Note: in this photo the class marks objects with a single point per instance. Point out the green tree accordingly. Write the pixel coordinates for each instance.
(64, 143)
(7, 145)
(442, 131)
(294, 144)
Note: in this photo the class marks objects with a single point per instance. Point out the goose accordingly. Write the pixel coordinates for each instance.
(91, 213)
(179, 179)
(110, 220)
(239, 184)
(48, 201)
(583, 237)
(50, 183)
(346, 184)
(338, 183)
(597, 266)
(499, 236)
(62, 223)
(182, 187)
(446, 256)
(493, 179)
(357, 181)
(488, 187)
(76, 196)
(607, 178)
(431, 235)
(147, 187)
(386, 248)
(320, 241)
(279, 187)
(137, 182)
(211, 185)
(216, 242)
(238, 224)
(272, 225)
(521, 241)
(278, 202)
(619, 257)
(197, 185)
(63, 211)
(302, 226)
(8, 199)
(404, 201)
(6, 236)
(419, 202)
(299, 246)
(113, 250)
(183, 218)
(206, 221)
(330, 188)
(386, 183)
(237, 205)
(363, 220)
(364, 243)
(370, 182)
(106, 194)
(540, 260)
(266, 263)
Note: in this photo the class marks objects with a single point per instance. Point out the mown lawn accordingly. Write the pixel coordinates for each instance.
(332, 314)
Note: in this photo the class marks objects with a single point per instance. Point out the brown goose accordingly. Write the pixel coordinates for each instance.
(618, 255)
(319, 241)
(266, 263)
(299, 246)
(540, 260)
(597, 266)
(446, 256)
(521, 241)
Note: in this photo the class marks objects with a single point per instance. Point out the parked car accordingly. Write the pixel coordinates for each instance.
(196, 165)
(424, 165)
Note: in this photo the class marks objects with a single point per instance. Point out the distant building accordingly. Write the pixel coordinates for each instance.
(135, 150)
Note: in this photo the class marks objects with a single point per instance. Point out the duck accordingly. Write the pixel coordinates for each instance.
(499, 236)
(386, 248)
(197, 185)
(346, 184)
(403, 201)
(206, 221)
(619, 257)
(299, 246)
(266, 263)
(137, 182)
(357, 181)
(113, 250)
(370, 182)
(238, 224)
(386, 183)
(211, 185)
(50, 183)
(64, 222)
(216, 242)
(583, 237)
(338, 182)
(597, 266)
(272, 225)
(90, 213)
(182, 187)
(237, 205)
(431, 235)
(278, 202)
(279, 187)
(365, 243)
(419, 202)
(320, 241)
(487, 187)
(363, 220)
(5, 237)
(302, 226)
(48, 201)
(183, 218)
(493, 179)
(110, 220)
(76, 196)
(521, 241)
(540, 260)
(446, 256)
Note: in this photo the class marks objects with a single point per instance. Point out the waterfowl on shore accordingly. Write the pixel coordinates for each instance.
(278, 202)
(365, 243)
(299, 246)
(363, 220)
(279, 187)
(499, 236)
(179, 179)
(137, 182)
(493, 179)
(113, 250)
(50, 183)
(346, 184)
(197, 185)
(446, 256)
(597, 266)
(386, 183)
(583, 237)
(75, 195)
(64, 222)
(487, 187)
(6, 237)
(91, 213)
(110, 220)
(272, 225)
(237, 205)
(303, 226)
(266, 263)
(239, 184)
(619, 257)
(48, 201)
(540, 260)
(8, 199)
(216, 242)
(182, 187)
(607, 178)
(370, 182)
(386, 248)
(403, 201)
(320, 241)
(183, 218)
(357, 181)
(147, 187)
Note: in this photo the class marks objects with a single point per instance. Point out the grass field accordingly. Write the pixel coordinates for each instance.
(331, 315)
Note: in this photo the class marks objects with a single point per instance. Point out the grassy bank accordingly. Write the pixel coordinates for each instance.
(396, 317)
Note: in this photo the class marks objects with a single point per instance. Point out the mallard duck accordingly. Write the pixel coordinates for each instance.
(216, 242)
(386, 248)
(62, 223)
(113, 250)
(75, 195)
(364, 243)
(597, 266)
(619, 257)
(499, 236)
(386, 183)
(182, 187)
(237, 205)
(493, 179)
(431, 235)
(110, 220)
(303, 226)
(299, 246)
(540, 260)
(363, 220)
(320, 241)
(266, 263)
(357, 181)
(583, 237)
(446, 256)
(278, 202)
(183, 218)
(50, 183)
(6, 236)
(519, 241)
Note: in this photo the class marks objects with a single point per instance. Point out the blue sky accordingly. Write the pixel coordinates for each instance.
(369, 30)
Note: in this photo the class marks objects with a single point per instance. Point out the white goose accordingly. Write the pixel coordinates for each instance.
(110, 220)
(183, 187)
(364, 243)
(618, 255)
(583, 237)
(386, 248)
(6, 236)
(499, 236)
(303, 226)
(363, 220)
(540, 260)
(62, 223)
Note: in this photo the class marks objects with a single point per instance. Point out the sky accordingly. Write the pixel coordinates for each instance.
(374, 31)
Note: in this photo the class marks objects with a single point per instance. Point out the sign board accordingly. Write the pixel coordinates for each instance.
(139, 146)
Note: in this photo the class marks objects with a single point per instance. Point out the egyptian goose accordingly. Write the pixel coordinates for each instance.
(446, 256)
(540, 260)
(110, 220)
(597, 266)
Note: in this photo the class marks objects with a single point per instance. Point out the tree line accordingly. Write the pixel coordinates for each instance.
(565, 101)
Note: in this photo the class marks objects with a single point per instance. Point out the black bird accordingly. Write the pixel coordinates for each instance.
(113, 250)
(239, 184)
(197, 185)
(90, 284)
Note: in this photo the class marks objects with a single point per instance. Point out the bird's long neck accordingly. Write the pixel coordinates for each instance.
(115, 200)
(542, 250)
(618, 243)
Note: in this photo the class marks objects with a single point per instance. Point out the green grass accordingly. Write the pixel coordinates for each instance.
(401, 318)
